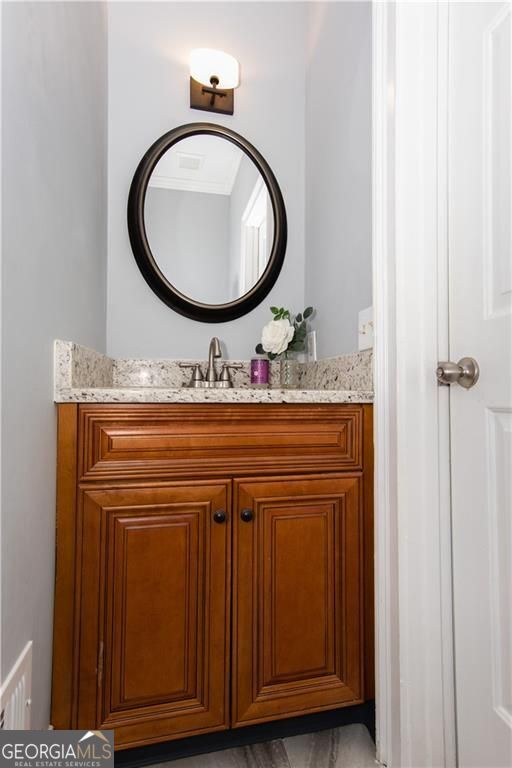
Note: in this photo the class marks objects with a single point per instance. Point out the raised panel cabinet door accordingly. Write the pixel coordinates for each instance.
(154, 615)
(298, 597)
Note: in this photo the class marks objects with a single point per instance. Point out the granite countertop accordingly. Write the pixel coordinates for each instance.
(234, 395)
(85, 376)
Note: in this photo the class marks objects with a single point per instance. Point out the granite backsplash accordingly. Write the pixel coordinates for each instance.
(79, 367)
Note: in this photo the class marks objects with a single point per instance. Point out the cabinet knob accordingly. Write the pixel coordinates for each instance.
(246, 515)
(219, 517)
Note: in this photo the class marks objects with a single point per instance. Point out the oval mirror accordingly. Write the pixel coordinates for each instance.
(207, 222)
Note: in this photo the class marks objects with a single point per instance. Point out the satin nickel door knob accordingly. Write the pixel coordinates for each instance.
(465, 372)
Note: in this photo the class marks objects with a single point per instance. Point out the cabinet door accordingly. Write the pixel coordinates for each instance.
(298, 582)
(154, 615)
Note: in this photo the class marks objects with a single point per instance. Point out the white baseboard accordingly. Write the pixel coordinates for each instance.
(16, 694)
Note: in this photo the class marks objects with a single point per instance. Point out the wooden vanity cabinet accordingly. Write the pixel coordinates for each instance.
(214, 566)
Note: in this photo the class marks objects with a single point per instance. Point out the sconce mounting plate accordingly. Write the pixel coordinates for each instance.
(201, 98)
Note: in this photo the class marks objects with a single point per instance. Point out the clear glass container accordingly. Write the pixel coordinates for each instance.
(289, 373)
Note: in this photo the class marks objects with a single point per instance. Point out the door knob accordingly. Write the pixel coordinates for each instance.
(246, 515)
(465, 372)
(219, 517)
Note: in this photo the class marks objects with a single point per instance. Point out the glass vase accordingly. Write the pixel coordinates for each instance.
(289, 371)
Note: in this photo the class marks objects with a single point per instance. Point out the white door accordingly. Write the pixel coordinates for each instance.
(480, 254)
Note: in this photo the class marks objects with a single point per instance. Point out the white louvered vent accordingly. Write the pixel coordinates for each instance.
(16, 693)
(190, 162)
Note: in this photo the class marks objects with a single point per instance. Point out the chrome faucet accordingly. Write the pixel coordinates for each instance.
(214, 351)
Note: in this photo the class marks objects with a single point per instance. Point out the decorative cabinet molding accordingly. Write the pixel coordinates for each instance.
(181, 527)
(154, 602)
(298, 597)
(140, 441)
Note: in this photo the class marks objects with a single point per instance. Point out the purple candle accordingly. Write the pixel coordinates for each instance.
(259, 372)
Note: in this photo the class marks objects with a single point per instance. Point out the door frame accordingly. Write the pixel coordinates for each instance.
(414, 627)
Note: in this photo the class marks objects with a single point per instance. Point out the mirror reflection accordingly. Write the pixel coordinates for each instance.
(209, 219)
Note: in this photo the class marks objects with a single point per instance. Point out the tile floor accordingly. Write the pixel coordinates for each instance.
(348, 747)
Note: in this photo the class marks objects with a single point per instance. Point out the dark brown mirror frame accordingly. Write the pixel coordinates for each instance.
(206, 313)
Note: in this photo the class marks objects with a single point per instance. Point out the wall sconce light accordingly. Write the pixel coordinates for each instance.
(213, 77)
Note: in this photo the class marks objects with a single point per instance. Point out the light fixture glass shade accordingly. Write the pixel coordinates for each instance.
(206, 63)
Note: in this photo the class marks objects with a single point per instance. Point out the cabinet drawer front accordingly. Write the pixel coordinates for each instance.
(181, 440)
(154, 612)
(298, 600)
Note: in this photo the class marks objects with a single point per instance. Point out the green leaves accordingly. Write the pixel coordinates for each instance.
(299, 338)
(280, 313)
(298, 343)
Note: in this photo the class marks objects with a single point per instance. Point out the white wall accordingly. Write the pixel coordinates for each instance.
(149, 46)
(53, 285)
(338, 171)
(182, 249)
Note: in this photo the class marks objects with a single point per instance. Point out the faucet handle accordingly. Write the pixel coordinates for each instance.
(225, 376)
(197, 374)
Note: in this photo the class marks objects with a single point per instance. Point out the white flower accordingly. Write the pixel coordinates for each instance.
(276, 336)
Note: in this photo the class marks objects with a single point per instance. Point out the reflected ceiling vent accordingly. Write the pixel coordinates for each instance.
(190, 162)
